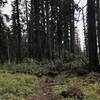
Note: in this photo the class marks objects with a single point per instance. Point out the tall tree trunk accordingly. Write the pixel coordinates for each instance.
(31, 33)
(85, 34)
(66, 26)
(8, 46)
(72, 28)
(38, 53)
(18, 34)
(98, 23)
(92, 40)
(26, 15)
(49, 52)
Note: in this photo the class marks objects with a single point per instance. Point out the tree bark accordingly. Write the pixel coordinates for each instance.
(92, 39)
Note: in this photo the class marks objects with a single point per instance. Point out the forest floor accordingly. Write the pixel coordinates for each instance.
(40, 81)
(46, 90)
(64, 87)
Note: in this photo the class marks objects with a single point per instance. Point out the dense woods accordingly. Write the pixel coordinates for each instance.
(41, 37)
(46, 30)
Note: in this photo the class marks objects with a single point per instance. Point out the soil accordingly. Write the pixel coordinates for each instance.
(45, 88)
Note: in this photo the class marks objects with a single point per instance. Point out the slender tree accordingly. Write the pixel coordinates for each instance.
(85, 33)
(72, 27)
(17, 30)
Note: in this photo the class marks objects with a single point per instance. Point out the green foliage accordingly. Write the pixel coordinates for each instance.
(17, 86)
(69, 77)
(75, 66)
(88, 87)
(26, 67)
(33, 67)
(76, 61)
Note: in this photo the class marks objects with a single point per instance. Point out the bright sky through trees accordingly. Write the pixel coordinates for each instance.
(7, 10)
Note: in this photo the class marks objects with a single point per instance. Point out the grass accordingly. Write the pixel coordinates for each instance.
(19, 82)
(18, 86)
(32, 68)
(88, 87)
(22, 86)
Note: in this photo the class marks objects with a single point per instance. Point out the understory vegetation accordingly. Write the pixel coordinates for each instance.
(70, 80)
(17, 86)
(78, 88)
(33, 67)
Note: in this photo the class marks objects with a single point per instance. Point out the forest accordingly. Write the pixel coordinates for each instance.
(45, 54)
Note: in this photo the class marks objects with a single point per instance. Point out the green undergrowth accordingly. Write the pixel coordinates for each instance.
(33, 67)
(78, 88)
(22, 81)
(26, 68)
(18, 86)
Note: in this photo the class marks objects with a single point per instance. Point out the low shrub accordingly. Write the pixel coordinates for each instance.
(17, 86)
(26, 68)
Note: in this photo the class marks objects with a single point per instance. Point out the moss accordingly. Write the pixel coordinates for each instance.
(18, 86)
(79, 85)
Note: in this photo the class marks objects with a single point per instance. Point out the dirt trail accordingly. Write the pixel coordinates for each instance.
(46, 92)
